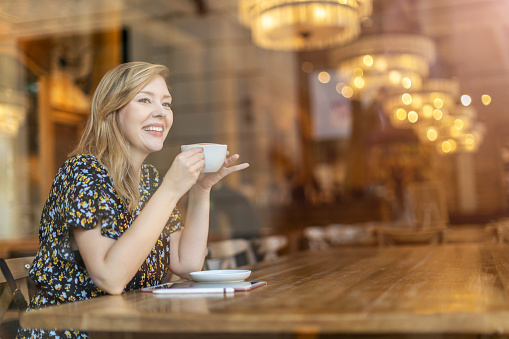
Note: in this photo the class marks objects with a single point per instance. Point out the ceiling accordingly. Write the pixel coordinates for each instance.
(471, 35)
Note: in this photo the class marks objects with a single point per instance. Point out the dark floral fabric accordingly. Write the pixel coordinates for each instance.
(81, 194)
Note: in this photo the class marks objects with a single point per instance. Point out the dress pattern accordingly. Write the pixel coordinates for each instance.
(81, 195)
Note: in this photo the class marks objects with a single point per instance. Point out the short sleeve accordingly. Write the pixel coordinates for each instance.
(90, 196)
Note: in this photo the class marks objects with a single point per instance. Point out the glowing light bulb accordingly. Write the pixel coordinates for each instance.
(413, 117)
(466, 100)
(368, 60)
(358, 82)
(339, 87)
(324, 77)
(347, 92)
(438, 114)
(432, 134)
(406, 83)
(446, 146)
(406, 99)
(400, 114)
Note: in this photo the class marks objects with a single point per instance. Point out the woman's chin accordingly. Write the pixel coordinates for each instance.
(154, 148)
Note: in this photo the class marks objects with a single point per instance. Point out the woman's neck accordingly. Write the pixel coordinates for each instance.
(136, 162)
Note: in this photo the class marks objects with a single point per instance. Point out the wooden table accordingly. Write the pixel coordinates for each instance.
(460, 290)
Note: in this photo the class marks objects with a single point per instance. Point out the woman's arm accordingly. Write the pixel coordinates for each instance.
(188, 248)
(112, 263)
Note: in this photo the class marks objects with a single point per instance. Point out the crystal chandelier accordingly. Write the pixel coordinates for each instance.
(298, 25)
(391, 61)
(460, 132)
(423, 109)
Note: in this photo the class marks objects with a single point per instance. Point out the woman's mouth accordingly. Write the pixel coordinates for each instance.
(154, 130)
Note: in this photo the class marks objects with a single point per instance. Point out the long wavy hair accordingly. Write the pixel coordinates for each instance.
(102, 137)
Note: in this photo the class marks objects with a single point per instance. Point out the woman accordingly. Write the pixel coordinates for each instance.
(106, 225)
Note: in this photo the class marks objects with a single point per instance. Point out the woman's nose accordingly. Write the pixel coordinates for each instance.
(160, 111)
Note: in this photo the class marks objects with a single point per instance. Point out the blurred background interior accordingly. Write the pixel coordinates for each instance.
(372, 115)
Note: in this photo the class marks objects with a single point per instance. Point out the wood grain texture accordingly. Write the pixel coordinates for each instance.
(457, 289)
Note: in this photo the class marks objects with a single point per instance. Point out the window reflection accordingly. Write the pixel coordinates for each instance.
(263, 104)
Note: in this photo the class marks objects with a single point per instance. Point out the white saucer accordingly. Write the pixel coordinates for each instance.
(220, 275)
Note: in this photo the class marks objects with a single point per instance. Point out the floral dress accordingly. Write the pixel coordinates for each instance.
(82, 192)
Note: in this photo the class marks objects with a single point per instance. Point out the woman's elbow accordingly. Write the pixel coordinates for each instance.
(109, 286)
(114, 290)
(184, 271)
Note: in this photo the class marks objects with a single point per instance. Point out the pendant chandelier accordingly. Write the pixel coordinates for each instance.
(425, 107)
(460, 132)
(395, 61)
(299, 25)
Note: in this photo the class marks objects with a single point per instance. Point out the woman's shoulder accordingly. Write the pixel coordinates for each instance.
(82, 166)
(81, 160)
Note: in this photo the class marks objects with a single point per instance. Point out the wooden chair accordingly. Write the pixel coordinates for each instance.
(430, 218)
(354, 234)
(225, 253)
(267, 248)
(315, 236)
(9, 317)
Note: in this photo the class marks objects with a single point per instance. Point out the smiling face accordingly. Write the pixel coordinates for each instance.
(146, 120)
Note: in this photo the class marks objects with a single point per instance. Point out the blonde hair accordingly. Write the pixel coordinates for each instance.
(102, 137)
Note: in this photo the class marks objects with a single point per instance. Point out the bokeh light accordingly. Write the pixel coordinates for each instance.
(466, 100)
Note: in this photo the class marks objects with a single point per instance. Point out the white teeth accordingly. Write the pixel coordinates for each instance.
(153, 128)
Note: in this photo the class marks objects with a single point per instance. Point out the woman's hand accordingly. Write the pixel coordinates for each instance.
(207, 180)
(185, 170)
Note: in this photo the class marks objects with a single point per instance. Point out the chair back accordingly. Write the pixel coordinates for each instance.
(315, 236)
(19, 268)
(351, 234)
(268, 247)
(225, 252)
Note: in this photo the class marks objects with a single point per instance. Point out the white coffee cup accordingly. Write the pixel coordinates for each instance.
(215, 154)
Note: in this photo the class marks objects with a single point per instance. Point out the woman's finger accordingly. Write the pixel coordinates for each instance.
(192, 151)
(231, 169)
(231, 160)
(194, 158)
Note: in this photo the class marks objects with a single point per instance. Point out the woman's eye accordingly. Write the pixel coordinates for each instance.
(167, 104)
(144, 100)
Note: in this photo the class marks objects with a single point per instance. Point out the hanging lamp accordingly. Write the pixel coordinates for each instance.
(395, 61)
(422, 109)
(303, 25)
